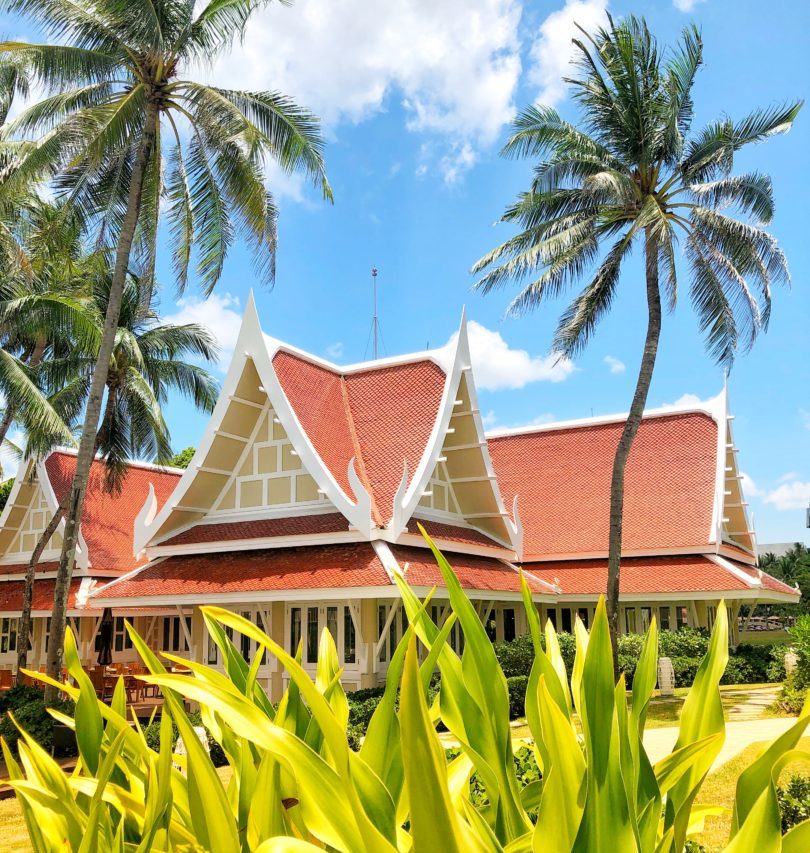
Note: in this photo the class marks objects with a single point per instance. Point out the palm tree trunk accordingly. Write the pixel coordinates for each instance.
(626, 441)
(85, 455)
(24, 628)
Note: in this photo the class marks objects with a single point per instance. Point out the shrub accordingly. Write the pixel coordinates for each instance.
(515, 657)
(686, 642)
(27, 704)
(685, 670)
(629, 649)
(517, 695)
(775, 671)
(791, 696)
(360, 713)
(739, 671)
(152, 735)
(794, 801)
(800, 636)
(759, 660)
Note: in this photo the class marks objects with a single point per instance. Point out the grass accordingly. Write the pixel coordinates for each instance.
(764, 638)
(15, 833)
(719, 787)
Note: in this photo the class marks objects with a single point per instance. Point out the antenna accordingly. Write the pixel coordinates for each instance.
(375, 322)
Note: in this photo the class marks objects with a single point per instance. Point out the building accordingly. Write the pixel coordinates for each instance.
(306, 489)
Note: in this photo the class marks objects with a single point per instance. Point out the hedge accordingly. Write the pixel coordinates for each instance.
(27, 703)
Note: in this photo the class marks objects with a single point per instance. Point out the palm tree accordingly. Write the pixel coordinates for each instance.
(147, 363)
(115, 92)
(634, 174)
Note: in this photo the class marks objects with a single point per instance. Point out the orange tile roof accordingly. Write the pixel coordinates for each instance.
(452, 533)
(300, 525)
(562, 479)
(641, 575)
(11, 595)
(382, 417)
(327, 566)
(108, 520)
(473, 572)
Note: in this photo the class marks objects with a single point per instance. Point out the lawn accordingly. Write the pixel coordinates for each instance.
(718, 789)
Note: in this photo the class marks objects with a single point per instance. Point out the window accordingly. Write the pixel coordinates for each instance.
(630, 620)
(566, 620)
(681, 616)
(337, 619)
(491, 625)
(349, 641)
(664, 618)
(551, 615)
(295, 629)
(121, 639)
(583, 615)
(174, 638)
(8, 635)
(646, 618)
(509, 628)
(711, 615)
(382, 614)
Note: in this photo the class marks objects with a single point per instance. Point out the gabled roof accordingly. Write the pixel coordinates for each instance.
(11, 596)
(562, 472)
(368, 437)
(108, 518)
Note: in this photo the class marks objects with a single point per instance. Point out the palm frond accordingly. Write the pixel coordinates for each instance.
(751, 193)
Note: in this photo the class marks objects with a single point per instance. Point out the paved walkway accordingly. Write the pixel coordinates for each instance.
(739, 735)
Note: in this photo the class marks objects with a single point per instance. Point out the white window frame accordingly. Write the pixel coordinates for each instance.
(345, 617)
(257, 615)
(9, 633)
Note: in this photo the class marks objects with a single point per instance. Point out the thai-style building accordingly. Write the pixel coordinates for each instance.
(306, 489)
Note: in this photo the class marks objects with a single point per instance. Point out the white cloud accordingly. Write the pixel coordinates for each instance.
(790, 496)
(217, 314)
(335, 350)
(749, 487)
(790, 475)
(489, 419)
(497, 366)
(453, 66)
(684, 401)
(552, 51)
(614, 364)
(686, 5)
(458, 161)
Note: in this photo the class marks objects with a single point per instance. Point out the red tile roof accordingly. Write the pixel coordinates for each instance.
(108, 519)
(394, 410)
(301, 525)
(11, 595)
(641, 575)
(452, 533)
(382, 417)
(768, 581)
(327, 566)
(473, 572)
(562, 479)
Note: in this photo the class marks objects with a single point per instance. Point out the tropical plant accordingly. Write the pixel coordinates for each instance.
(115, 98)
(297, 785)
(183, 458)
(634, 173)
(147, 362)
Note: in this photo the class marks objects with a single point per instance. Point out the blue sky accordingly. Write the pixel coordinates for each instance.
(416, 98)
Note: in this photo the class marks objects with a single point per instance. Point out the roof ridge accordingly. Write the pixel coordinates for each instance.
(358, 452)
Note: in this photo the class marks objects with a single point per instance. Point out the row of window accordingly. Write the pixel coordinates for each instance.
(636, 620)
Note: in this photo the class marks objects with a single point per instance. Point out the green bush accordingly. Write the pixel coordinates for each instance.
(685, 669)
(686, 642)
(739, 671)
(792, 695)
(27, 704)
(152, 735)
(517, 685)
(515, 657)
(360, 713)
(800, 636)
(775, 671)
(794, 801)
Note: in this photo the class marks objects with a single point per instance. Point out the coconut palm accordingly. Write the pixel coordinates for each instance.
(147, 363)
(116, 99)
(634, 174)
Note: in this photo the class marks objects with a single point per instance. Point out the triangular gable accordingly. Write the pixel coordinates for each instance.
(732, 523)
(27, 513)
(455, 479)
(255, 453)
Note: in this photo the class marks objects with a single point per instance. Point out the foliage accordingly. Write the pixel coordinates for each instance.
(297, 773)
(5, 491)
(794, 801)
(775, 671)
(800, 637)
(792, 567)
(686, 642)
(152, 734)
(517, 686)
(27, 705)
(183, 458)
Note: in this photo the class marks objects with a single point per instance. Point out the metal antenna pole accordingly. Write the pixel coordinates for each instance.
(375, 322)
